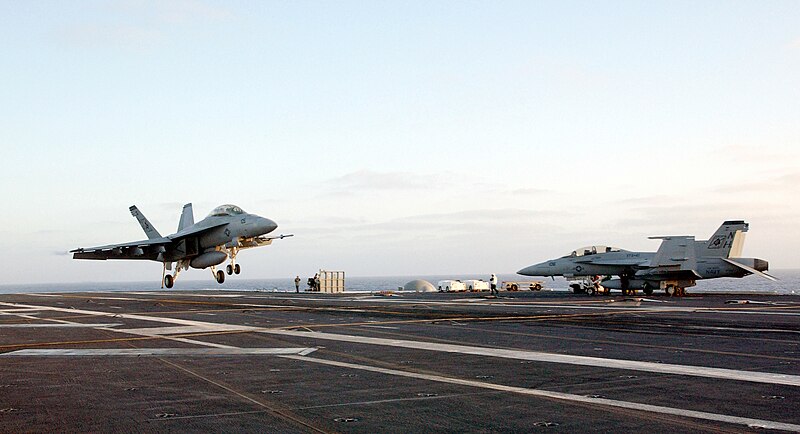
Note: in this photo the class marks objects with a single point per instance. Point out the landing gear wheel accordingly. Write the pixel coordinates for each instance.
(220, 276)
(237, 269)
(592, 290)
(669, 290)
(169, 281)
(229, 269)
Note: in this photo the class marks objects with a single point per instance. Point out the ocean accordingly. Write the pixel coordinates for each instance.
(789, 283)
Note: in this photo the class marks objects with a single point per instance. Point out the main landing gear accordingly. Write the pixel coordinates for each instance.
(235, 269)
(675, 291)
(219, 276)
(167, 280)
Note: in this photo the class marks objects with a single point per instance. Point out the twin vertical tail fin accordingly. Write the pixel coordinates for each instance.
(149, 230)
(727, 241)
(187, 217)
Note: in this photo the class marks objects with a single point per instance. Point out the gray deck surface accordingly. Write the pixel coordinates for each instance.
(284, 362)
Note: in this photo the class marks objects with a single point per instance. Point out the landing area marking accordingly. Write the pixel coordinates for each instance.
(159, 352)
(749, 422)
(299, 354)
(60, 325)
(662, 368)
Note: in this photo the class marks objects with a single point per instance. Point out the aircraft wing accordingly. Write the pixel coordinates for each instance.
(196, 229)
(143, 243)
(192, 230)
(664, 273)
(131, 250)
(633, 262)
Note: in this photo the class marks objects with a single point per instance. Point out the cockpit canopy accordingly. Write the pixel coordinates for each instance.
(226, 210)
(592, 250)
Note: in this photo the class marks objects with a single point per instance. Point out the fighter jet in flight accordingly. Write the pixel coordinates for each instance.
(205, 244)
(679, 262)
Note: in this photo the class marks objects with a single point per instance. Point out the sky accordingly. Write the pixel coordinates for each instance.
(396, 137)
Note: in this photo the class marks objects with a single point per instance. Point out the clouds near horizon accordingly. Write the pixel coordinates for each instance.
(397, 138)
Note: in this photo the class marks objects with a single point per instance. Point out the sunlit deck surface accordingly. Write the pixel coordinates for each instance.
(283, 362)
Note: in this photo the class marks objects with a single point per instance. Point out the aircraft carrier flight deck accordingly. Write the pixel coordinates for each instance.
(226, 361)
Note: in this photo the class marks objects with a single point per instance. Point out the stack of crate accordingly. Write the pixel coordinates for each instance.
(331, 281)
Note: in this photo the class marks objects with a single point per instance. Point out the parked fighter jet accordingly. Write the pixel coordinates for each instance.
(207, 243)
(678, 263)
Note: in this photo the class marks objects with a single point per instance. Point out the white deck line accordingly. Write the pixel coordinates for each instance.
(164, 320)
(59, 325)
(618, 306)
(749, 422)
(180, 330)
(147, 332)
(157, 352)
(595, 362)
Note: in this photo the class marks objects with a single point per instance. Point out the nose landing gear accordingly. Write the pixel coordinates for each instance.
(233, 267)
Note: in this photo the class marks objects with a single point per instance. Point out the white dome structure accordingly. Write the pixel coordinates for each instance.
(419, 286)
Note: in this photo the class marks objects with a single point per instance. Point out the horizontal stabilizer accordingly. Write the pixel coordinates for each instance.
(750, 270)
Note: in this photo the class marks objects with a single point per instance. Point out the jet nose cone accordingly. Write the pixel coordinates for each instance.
(266, 225)
(534, 270)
